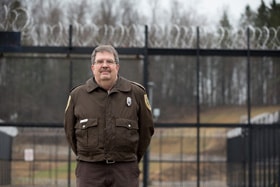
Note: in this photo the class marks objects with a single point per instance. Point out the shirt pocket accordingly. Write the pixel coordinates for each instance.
(87, 133)
(127, 136)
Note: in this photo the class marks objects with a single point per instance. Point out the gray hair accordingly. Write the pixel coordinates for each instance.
(107, 48)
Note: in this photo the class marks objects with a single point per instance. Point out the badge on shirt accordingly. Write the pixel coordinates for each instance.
(128, 101)
(147, 102)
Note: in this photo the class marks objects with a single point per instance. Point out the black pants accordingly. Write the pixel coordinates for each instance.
(100, 174)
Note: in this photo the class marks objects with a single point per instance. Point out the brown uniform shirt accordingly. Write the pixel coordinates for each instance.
(108, 126)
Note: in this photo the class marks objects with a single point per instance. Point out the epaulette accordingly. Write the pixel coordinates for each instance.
(139, 85)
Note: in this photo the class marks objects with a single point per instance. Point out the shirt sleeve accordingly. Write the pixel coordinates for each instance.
(146, 125)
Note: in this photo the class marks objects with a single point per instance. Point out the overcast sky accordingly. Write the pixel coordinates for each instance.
(212, 10)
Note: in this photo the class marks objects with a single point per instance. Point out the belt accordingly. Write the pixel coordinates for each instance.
(106, 162)
(110, 161)
(101, 162)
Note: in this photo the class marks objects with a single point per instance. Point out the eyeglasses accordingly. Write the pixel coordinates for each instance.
(108, 61)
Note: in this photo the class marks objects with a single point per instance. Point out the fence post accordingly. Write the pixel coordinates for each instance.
(197, 110)
(250, 129)
(70, 87)
(145, 80)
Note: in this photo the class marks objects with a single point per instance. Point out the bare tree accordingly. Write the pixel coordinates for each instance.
(80, 11)
(129, 13)
(107, 13)
(47, 12)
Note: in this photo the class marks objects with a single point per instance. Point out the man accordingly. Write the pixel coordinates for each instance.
(108, 124)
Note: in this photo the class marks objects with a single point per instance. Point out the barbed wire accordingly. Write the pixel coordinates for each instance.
(160, 36)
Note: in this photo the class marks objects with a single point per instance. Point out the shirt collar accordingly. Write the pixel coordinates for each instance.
(122, 85)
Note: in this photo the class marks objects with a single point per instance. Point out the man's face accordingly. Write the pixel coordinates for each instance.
(105, 68)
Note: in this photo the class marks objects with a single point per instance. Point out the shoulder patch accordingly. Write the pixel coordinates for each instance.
(137, 84)
(148, 105)
(68, 102)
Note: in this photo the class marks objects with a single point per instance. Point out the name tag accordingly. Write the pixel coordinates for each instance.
(83, 120)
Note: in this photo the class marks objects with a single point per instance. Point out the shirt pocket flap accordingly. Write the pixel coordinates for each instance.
(86, 123)
(129, 124)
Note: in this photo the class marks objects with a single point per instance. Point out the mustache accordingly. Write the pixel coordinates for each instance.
(105, 70)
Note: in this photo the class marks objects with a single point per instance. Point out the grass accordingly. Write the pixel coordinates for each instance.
(223, 114)
(58, 170)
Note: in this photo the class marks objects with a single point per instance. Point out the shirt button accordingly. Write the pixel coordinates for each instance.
(129, 125)
(84, 126)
